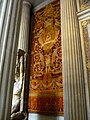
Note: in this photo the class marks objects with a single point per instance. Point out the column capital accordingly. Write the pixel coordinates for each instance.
(27, 2)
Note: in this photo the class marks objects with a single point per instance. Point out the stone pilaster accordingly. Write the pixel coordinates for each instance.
(73, 76)
(24, 26)
(9, 38)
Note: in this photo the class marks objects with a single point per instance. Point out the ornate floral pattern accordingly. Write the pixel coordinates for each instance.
(46, 89)
(86, 37)
(84, 4)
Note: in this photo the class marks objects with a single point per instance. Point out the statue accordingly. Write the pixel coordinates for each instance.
(18, 90)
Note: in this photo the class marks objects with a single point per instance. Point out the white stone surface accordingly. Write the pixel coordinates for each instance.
(33, 116)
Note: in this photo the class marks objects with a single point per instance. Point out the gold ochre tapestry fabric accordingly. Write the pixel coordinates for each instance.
(46, 89)
(86, 39)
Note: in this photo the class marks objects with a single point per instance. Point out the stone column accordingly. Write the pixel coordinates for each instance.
(9, 38)
(75, 107)
(3, 5)
(24, 37)
(25, 26)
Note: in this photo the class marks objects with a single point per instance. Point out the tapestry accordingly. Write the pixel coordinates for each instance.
(86, 36)
(84, 4)
(46, 89)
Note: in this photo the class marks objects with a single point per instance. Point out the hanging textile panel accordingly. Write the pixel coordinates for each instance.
(86, 39)
(46, 89)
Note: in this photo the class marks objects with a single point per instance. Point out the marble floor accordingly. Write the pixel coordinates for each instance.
(33, 116)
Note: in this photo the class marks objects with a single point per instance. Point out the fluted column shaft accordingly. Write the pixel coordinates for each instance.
(23, 45)
(2, 15)
(73, 76)
(9, 38)
(25, 26)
